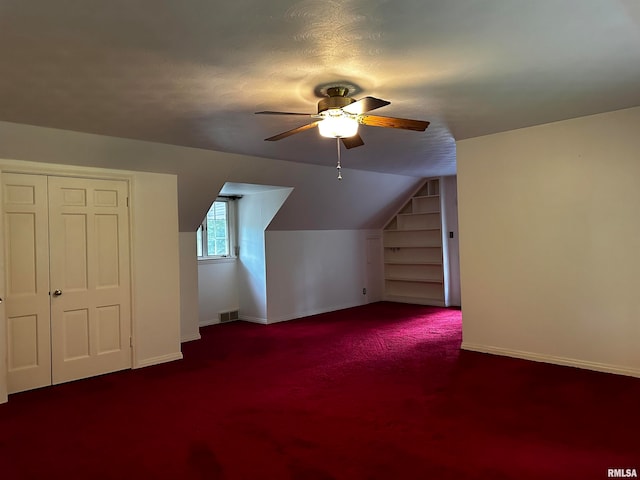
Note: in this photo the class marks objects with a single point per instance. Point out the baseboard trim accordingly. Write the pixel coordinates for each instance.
(206, 323)
(190, 338)
(247, 318)
(170, 357)
(319, 311)
(564, 361)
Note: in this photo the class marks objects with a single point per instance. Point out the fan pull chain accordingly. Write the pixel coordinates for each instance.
(339, 167)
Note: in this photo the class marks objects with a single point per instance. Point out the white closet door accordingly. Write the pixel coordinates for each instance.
(27, 281)
(89, 277)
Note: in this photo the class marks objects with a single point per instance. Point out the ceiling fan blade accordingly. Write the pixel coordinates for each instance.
(391, 122)
(352, 142)
(365, 104)
(288, 133)
(282, 113)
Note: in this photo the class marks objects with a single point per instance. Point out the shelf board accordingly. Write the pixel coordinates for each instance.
(410, 246)
(437, 212)
(415, 280)
(399, 262)
(437, 302)
(395, 230)
(413, 246)
(427, 196)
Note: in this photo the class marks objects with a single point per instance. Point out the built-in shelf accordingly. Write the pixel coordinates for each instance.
(413, 249)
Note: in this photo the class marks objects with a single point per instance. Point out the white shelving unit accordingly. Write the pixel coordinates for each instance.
(412, 240)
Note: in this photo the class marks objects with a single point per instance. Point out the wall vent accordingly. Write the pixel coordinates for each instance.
(229, 316)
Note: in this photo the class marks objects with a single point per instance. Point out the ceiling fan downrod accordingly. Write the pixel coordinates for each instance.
(339, 167)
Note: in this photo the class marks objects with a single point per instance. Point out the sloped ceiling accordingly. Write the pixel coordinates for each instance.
(192, 72)
(362, 200)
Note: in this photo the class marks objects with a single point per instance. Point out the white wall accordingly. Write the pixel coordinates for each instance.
(549, 226)
(255, 212)
(189, 301)
(315, 271)
(217, 289)
(263, 279)
(154, 254)
(307, 272)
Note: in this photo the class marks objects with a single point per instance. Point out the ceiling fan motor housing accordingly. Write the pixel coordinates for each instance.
(337, 98)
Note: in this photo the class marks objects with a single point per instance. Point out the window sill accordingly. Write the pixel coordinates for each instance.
(208, 260)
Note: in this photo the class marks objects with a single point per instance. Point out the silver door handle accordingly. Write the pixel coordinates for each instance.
(57, 293)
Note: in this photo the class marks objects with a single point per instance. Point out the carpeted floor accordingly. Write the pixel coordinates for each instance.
(374, 392)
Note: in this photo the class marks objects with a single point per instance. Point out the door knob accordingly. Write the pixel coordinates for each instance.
(57, 293)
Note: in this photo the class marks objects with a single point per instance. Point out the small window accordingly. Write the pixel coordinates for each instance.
(215, 236)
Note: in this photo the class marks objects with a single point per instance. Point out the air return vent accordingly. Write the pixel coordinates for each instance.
(229, 316)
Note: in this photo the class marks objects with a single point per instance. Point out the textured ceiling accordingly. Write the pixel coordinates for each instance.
(192, 72)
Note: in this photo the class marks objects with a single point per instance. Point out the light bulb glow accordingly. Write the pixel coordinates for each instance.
(337, 124)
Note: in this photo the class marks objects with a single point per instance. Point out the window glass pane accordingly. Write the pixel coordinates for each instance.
(212, 237)
(217, 231)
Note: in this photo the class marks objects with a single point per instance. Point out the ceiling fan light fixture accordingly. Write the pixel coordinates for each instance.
(337, 124)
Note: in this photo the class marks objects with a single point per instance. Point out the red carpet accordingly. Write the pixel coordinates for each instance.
(374, 392)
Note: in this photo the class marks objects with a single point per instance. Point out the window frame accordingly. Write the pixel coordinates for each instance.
(231, 225)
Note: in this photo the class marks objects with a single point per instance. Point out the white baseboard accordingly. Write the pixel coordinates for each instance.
(246, 318)
(568, 362)
(170, 357)
(308, 313)
(262, 321)
(190, 338)
(206, 323)
(284, 318)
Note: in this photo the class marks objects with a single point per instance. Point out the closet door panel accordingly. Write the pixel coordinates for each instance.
(25, 223)
(90, 315)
